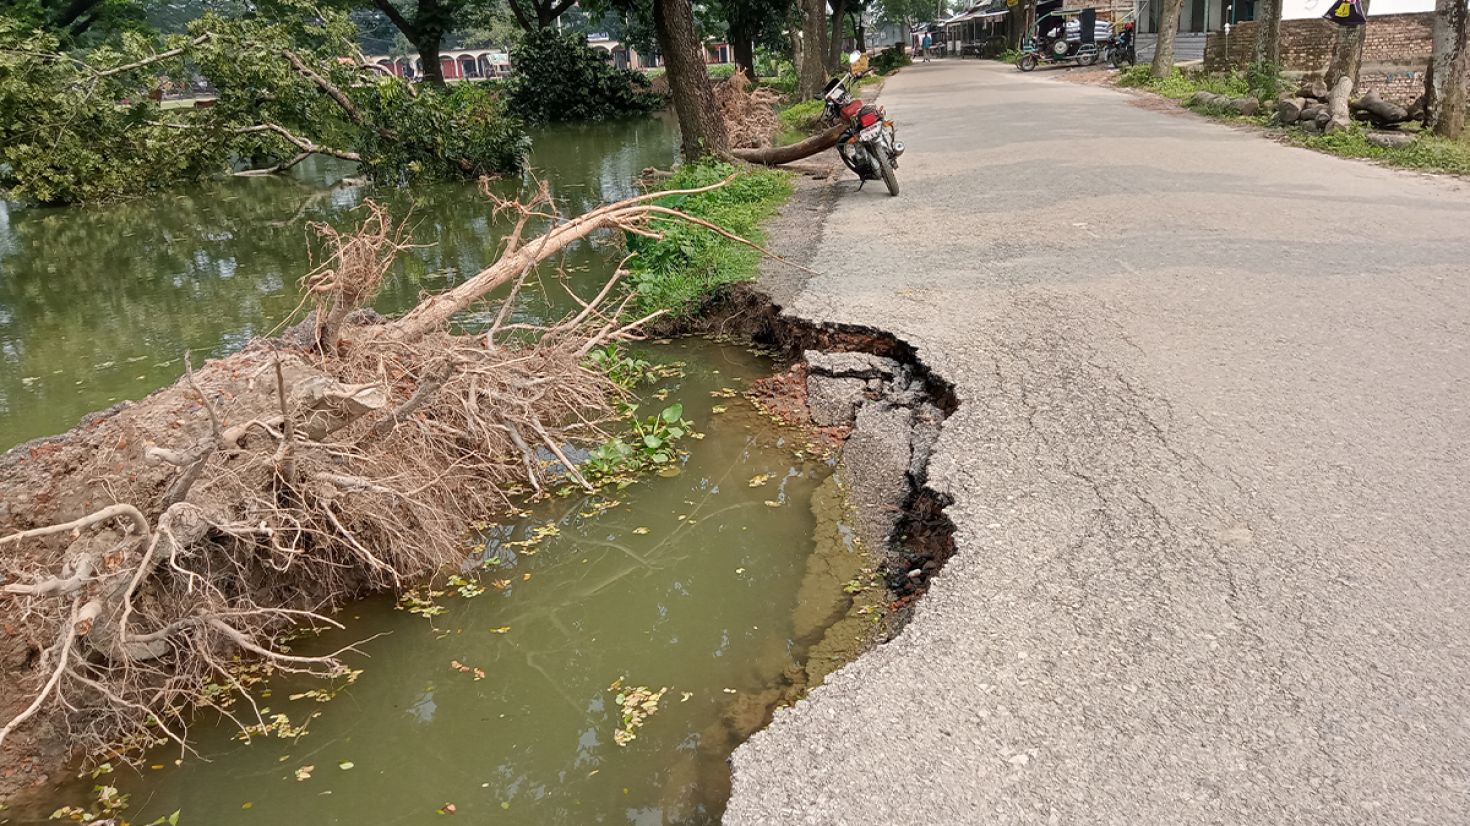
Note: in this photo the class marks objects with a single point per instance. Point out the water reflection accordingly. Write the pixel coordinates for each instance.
(97, 305)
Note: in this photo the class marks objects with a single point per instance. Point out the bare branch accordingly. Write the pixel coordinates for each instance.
(148, 61)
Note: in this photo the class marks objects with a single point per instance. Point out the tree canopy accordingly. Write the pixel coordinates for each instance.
(90, 126)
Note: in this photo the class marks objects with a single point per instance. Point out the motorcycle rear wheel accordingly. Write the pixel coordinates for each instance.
(1026, 63)
(890, 178)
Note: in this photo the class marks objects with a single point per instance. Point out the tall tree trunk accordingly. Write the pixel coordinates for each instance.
(859, 38)
(1268, 32)
(1015, 26)
(702, 132)
(1164, 47)
(834, 44)
(742, 46)
(425, 32)
(812, 75)
(1449, 70)
(1347, 54)
(428, 46)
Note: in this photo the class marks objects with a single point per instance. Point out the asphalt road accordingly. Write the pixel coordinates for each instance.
(1210, 471)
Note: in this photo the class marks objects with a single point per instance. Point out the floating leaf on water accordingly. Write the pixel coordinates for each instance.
(685, 695)
(505, 804)
(772, 503)
(346, 765)
(729, 691)
(640, 530)
(247, 805)
(479, 674)
(446, 809)
(504, 629)
(526, 577)
(501, 584)
(739, 570)
(757, 481)
(304, 773)
(719, 408)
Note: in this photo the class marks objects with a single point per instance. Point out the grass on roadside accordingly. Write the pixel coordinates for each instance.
(1179, 86)
(1428, 153)
(802, 117)
(679, 271)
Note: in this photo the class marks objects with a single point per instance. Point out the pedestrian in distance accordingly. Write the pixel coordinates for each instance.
(925, 45)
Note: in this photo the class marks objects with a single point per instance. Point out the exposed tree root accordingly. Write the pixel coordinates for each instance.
(749, 113)
(145, 552)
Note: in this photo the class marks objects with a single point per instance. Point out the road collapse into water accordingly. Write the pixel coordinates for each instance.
(715, 584)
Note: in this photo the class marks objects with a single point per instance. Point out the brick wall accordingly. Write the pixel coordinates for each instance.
(1395, 50)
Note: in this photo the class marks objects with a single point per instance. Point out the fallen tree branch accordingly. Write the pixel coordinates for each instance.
(148, 61)
(777, 155)
(337, 95)
(297, 141)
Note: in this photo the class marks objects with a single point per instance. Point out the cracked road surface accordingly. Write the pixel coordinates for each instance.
(1210, 475)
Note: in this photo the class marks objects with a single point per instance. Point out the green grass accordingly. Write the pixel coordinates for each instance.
(1429, 153)
(681, 270)
(1179, 86)
(801, 117)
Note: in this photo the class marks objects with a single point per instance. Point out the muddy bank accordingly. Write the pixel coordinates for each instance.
(867, 391)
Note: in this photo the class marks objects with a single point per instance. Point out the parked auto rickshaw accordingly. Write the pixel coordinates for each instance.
(1065, 36)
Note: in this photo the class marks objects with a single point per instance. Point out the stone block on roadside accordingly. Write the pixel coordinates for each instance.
(1245, 106)
(1390, 140)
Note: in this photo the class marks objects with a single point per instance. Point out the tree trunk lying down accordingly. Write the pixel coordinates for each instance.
(776, 155)
(1380, 112)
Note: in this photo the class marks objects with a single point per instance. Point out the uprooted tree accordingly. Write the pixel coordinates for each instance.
(148, 552)
(92, 126)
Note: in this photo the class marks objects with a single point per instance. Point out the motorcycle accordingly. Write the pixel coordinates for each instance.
(1119, 50)
(869, 146)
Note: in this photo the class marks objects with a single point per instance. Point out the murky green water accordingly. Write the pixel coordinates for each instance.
(700, 582)
(97, 305)
(689, 582)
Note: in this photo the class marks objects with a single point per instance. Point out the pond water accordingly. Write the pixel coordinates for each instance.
(718, 582)
(699, 582)
(98, 304)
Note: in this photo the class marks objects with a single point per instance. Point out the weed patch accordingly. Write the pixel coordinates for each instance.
(680, 269)
(1429, 153)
